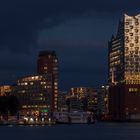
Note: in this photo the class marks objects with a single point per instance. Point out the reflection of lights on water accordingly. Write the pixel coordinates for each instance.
(42, 119)
(25, 118)
(49, 119)
(10, 125)
(31, 120)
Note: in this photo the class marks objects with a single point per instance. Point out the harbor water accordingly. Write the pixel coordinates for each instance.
(97, 131)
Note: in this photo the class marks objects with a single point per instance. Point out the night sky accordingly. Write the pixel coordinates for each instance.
(78, 30)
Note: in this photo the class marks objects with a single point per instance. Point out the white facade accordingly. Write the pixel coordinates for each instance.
(132, 48)
(124, 52)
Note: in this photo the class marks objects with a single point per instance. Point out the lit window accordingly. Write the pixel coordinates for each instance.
(136, 30)
(48, 86)
(136, 23)
(31, 83)
(45, 68)
(32, 77)
(55, 91)
(131, 27)
(135, 108)
(133, 89)
(55, 83)
(36, 77)
(55, 95)
(126, 108)
(23, 91)
(136, 41)
(43, 83)
(131, 44)
(56, 60)
(127, 30)
(24, 106)
(55, 68)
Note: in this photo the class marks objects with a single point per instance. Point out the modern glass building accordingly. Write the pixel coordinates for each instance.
(124, 52)
(124, 70)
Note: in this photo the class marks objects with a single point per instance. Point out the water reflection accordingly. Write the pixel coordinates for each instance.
(98, 131)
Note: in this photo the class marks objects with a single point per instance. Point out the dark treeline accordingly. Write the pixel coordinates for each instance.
(9, 105)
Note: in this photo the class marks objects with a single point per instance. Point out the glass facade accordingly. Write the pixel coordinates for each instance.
(124, 52)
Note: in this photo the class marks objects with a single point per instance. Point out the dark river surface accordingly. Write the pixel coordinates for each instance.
(98, 131)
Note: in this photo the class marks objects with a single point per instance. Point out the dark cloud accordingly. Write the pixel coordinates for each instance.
(22, 20)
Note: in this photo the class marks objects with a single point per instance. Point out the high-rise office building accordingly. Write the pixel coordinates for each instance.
(124, 69)
(38, 93)
(48, 64)
(34, 93)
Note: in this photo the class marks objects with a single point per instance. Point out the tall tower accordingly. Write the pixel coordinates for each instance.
(124, 69)
(124, 52)
(48, 64)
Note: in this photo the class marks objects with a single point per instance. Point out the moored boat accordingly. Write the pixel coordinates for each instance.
(73, 117)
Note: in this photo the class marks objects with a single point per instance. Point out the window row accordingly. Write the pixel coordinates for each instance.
(128, 23)
(127, 30)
